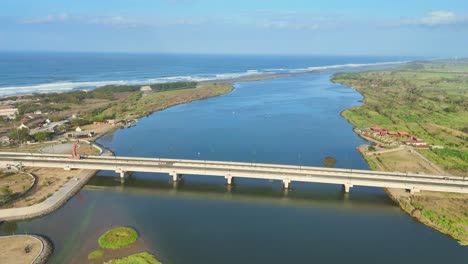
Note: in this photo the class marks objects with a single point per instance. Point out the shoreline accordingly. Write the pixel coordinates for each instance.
(403, 201)
(231, 80)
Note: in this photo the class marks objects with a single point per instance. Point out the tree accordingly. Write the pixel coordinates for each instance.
(20, 134)
(43, 136)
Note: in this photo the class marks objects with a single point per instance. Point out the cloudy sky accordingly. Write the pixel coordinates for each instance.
(331, 27)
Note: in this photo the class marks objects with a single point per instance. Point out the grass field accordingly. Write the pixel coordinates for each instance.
(140, 258)
(429, 100)
(138, 105)
(118, 237)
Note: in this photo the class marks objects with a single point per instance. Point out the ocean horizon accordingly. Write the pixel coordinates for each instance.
(44, 72)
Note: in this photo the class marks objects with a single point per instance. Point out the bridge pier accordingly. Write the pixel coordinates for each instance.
(414, 190)
(286, 184)
(121, 173)
(229, 179)
(175, 176)
(347, 187)
(67, 168)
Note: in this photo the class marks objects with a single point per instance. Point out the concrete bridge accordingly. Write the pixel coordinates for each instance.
(230, 170)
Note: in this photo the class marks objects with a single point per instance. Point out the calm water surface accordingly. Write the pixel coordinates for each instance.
(199, 220)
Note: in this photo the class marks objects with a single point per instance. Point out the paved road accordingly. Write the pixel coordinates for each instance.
(229, 170)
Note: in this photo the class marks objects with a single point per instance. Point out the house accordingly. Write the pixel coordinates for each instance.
(5, 140)
(31, 120)
(383, 132)
(403, 134)
(99, 123)
(415, 138)
(376, 129)
(8, 112)
(419, 144)
(78, 129)
(111, 122)
(437, 147)
(32, 115)
(23, 126)
(81, 134)
(146, 88)
(393, 133)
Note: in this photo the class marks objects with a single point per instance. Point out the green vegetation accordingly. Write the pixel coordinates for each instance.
(140, 258)
(139, 105)
(429, 100)
(118, 237)
(448, 214)
(43, 136)
(96, 254)
(21, 135)
(6, 195)
(117, 102)
(329, 162)
(61, 101)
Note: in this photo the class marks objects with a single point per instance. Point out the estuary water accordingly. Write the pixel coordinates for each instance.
(293, 120)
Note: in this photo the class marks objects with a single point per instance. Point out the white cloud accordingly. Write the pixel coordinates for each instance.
(260, 20)
(439, 18)
(52, 18)
(79, 19)
(434, 19)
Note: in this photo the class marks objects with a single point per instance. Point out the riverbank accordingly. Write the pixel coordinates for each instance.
(50, 203)
(405, 99)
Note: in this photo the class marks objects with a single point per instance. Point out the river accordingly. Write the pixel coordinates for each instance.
(293, 120)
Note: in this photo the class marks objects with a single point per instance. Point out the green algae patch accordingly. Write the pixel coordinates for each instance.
(96, 254)
(140, 258)
(118, 237)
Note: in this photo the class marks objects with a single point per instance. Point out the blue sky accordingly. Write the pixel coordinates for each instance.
(339, 27)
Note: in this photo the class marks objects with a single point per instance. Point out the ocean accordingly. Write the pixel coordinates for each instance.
(42, 72)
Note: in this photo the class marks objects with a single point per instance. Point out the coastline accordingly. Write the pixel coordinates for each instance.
(229, 80)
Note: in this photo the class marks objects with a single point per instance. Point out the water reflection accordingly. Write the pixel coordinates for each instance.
(246, 190)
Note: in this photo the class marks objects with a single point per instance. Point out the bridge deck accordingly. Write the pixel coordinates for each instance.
(285, 173)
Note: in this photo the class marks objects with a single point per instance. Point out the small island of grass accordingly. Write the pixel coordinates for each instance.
(118, 237)
(96, 254)
(140, 258)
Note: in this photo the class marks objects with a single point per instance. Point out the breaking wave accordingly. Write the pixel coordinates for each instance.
(69, 86)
